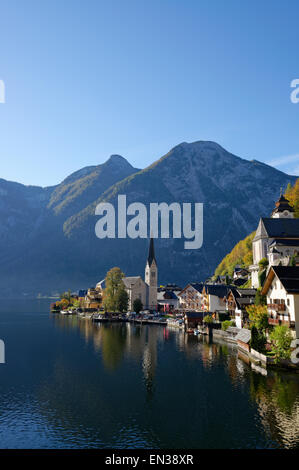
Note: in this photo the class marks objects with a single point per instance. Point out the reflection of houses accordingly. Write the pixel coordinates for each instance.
(145, 290)
(236, 302)
(276, 238)
(282, 290)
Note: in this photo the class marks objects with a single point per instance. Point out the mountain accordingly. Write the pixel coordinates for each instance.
(61, 251)
(33, 245)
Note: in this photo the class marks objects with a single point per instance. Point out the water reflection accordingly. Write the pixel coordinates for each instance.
(276, 394)
(79, 384)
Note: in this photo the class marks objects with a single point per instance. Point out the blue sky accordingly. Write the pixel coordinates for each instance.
(86, 79)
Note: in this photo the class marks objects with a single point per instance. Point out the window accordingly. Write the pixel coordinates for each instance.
(288, 302)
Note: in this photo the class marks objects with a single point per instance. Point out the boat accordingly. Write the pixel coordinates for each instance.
(64, 312)
(196, 332)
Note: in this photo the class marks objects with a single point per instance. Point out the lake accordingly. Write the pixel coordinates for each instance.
(69, 383)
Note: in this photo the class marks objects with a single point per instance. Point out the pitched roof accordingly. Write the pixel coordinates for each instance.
(244, 335)
(220, 290)
(284, 242)
(281, 228)
(197, 285)
(289, 277)
(246, 292)
(130, 281)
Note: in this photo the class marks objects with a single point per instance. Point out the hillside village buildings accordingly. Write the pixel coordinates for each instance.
(276, 238)
(282, 290)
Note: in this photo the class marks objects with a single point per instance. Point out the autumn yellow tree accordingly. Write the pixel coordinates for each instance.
(292, 195)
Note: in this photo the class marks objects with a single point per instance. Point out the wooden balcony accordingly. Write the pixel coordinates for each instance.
(276, 321)
(277, 307)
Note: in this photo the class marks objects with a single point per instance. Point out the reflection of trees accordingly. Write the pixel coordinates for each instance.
(277, 396)
(113, 345)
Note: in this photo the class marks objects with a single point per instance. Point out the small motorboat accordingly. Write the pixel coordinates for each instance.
(64, 312)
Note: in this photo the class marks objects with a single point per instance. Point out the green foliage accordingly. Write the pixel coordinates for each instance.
(208, 319)
(66, 295)
(258, 316)
(241, 254)
(137, 305)
(262, 277)
(122, 300)
(281, 339)
(258, 340)
(259, 298)
(114, 285)
(225, 324)
(263, 263)
(292, 261)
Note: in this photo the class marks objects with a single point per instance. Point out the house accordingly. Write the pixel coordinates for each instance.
(168, 300)
(93, 298)
(276, 238)
(236, 302)
(145, 290)
(282, 290)
(214, 298)
(240, 275)
(190, 297)
(192, 319)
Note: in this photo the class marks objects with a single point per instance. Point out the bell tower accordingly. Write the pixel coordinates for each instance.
(282, 209)
(151, 277)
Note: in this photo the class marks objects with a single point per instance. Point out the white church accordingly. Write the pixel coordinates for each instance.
(276, 238)
(145, 290)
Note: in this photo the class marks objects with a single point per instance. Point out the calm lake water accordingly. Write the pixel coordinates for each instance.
(68, 383)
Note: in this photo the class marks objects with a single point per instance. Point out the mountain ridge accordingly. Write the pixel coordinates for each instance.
(51, 243)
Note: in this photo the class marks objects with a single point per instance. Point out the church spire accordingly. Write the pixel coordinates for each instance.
(151, 252)
(282, 208)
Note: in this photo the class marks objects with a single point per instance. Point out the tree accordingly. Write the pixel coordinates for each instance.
(259, 298)
(258, 340)
(263, 263)
(122, 300)
(258, 316)
(281, 339)
(208, 319)
(66, 295)
(114, 285)
(292, 195)
(137, 306)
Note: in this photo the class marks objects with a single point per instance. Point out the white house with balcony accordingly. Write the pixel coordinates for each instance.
(282, 290)
(276, 238)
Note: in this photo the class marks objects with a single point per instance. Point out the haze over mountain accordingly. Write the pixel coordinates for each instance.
(48, 234)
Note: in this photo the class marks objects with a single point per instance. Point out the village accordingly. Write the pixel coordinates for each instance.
(257, 308)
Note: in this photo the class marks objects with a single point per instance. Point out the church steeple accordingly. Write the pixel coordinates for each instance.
(282, 209)
(151, 253)
(151, 277)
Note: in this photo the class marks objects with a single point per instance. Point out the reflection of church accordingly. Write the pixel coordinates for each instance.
(145, 290)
